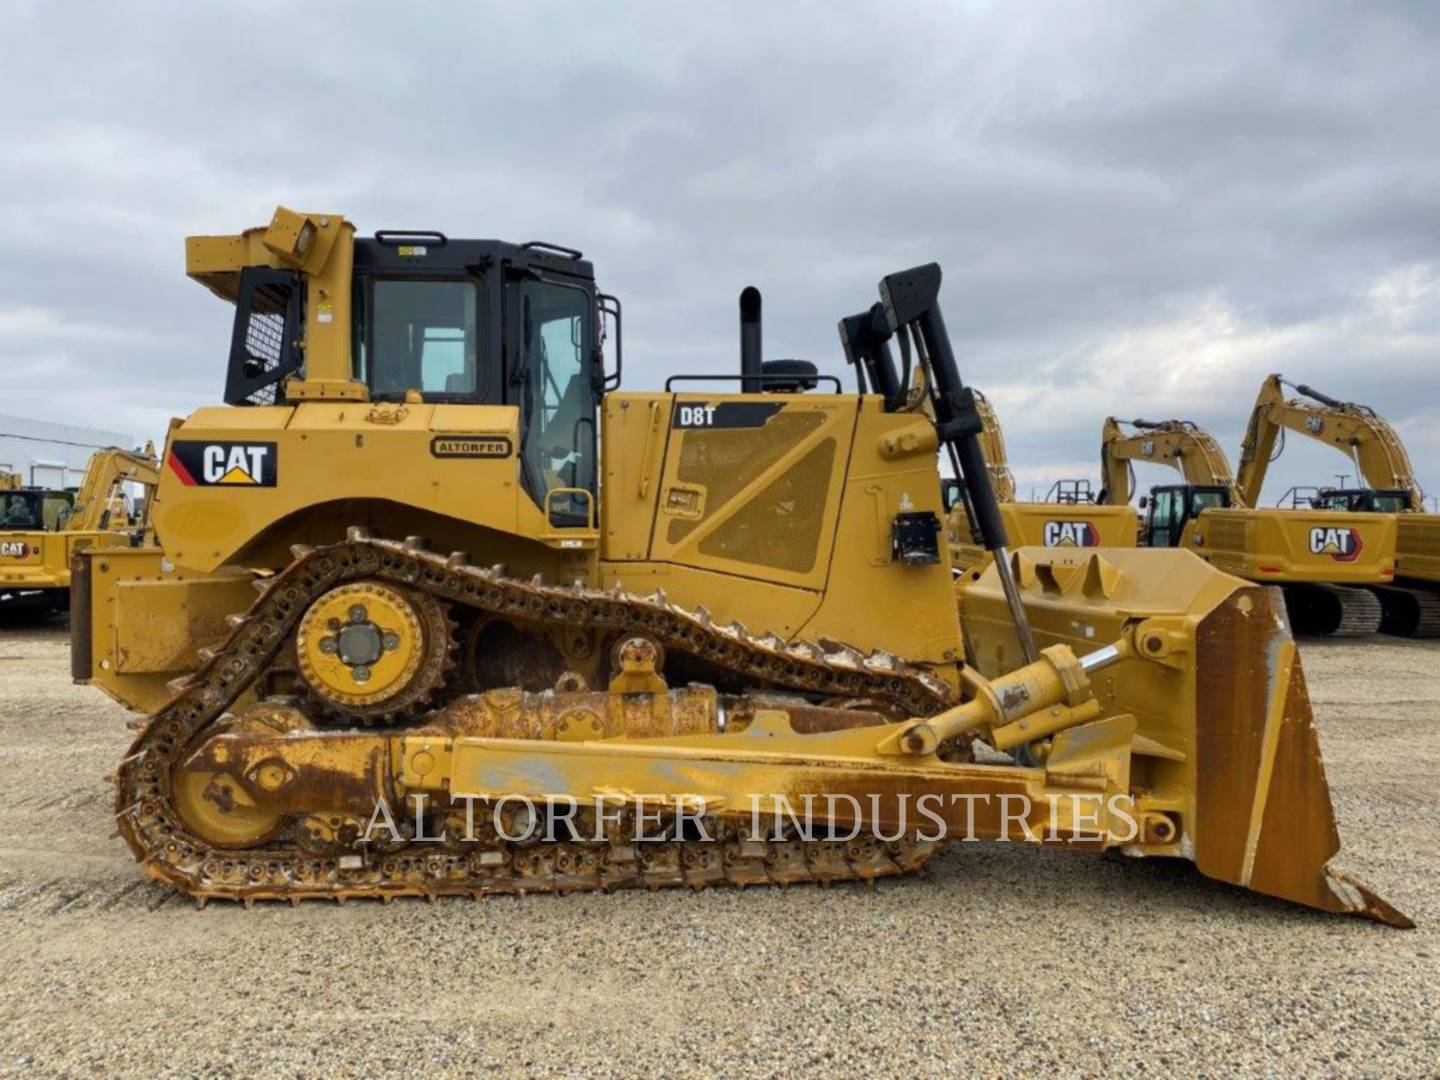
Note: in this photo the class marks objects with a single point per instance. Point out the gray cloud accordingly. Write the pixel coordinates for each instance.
(1141, 209)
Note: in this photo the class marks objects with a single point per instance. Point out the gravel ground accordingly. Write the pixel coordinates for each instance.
(996, 960)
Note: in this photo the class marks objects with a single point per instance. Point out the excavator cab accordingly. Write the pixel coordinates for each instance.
(34, 509)
(1169, 508)
(1362, 500)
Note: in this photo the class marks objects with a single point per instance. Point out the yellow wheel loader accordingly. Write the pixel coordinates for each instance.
(41, 531)
(1411, 605)
(472, 620)
(1069, 517)
(1322, 559)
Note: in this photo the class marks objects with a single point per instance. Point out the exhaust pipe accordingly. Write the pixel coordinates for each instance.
(750, 370)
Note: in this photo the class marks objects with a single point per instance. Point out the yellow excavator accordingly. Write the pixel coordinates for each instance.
(41, 531)
(9, 481)
(473, 620)
(1324, 560)
(1411, 605)
(1069, 517)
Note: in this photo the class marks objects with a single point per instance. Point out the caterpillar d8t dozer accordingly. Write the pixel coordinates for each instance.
(1069, 517)
(472, 620)
(1323, 560)
(41, 530)
(1410, 607)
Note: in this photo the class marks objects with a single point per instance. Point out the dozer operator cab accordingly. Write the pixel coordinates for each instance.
(1168, 509)
(34, 509)
(455, 322)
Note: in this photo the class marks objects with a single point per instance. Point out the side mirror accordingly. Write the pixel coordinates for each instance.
(1144, 501)
(609, 308)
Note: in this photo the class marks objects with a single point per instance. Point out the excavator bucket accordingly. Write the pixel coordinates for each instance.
(1224, 735)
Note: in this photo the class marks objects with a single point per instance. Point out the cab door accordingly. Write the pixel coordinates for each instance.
(751, 484)
(1163, 522)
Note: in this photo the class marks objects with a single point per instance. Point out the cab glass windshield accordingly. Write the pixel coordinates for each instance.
(422, 335)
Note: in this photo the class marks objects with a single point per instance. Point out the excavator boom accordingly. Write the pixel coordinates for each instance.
(1366, 439)
(107, 470)
(1180, 444)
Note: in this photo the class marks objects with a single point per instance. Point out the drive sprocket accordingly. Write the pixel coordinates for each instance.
(372, 653)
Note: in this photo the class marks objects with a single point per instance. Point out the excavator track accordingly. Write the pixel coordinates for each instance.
(281, 869)
(1322, 609)
(1409, 611)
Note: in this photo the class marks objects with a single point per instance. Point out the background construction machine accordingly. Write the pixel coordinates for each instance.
(1411, 605)
(1322, 559)
(1070, 515)
(620, 679)
(40, 531)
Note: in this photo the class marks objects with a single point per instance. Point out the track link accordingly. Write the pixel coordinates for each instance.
(1409, 611)
(281, 870)
(1327, 610)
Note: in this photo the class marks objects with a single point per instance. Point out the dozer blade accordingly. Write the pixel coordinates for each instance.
(1225, 733)
(1263, 818)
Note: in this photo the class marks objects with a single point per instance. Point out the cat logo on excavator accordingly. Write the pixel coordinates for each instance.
(1071, 534)
(1341, 544)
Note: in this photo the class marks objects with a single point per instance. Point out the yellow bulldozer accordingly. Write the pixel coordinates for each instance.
(472, 620)
(42, 530)
(1069, 516)
(1411, 605)
(1324, 560)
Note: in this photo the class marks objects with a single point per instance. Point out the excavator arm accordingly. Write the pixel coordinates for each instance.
(108, 468)
(1366, 439)
(1178, 443)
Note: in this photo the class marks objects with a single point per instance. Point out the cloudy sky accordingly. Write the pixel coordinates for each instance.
(1141, 209)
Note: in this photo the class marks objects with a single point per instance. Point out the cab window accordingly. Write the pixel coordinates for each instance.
(421, 335)
(558, 396)
(20, 510)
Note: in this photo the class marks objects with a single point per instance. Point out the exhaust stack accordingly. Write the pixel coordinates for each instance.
(750, 354)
